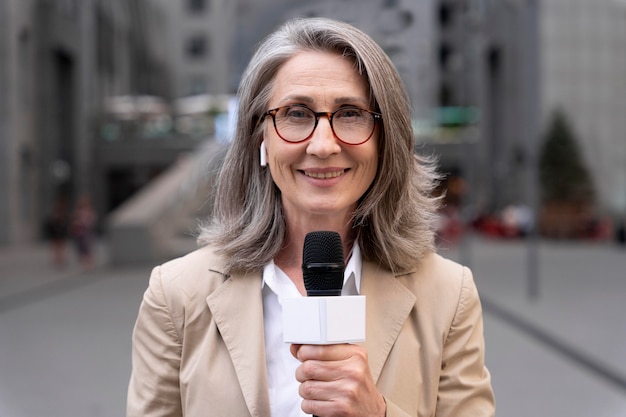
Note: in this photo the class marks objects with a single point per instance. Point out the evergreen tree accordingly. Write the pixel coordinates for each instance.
(563, 174)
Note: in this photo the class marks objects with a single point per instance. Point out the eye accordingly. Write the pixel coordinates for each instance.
(351, 114)
(298, 112)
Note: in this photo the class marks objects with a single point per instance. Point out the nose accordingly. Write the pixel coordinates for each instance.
(323, 142)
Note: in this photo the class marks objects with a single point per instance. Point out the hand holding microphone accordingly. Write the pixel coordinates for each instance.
(335, 378)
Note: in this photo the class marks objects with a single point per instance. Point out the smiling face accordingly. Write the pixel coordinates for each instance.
(321, 179)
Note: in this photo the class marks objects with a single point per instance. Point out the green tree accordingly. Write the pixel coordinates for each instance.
(562, 172)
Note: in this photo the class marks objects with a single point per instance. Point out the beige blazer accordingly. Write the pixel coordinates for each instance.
(198, 347)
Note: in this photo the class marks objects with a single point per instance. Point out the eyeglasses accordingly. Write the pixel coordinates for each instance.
(351, 125)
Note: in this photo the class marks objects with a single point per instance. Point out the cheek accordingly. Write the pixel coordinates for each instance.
(280, 161)
(372, 161)
(280, 173)
(372, 170)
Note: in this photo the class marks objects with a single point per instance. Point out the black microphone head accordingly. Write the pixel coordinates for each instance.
(322, 263)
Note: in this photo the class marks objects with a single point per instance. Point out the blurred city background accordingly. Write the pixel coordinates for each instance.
(114, 115)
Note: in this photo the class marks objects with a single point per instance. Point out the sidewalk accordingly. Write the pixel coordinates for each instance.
(562, 353)
(65, 335)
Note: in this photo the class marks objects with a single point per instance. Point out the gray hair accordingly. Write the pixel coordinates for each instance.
(395, 219)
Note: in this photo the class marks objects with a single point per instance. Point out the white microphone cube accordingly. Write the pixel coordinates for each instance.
(324, 320)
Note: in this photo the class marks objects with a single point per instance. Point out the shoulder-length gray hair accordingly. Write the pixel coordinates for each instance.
(394, 221)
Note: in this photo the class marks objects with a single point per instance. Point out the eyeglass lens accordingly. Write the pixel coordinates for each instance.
(350, 124)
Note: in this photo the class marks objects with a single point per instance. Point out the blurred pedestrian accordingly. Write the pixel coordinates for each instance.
(82, 227)
(57, 231)
(620, 233)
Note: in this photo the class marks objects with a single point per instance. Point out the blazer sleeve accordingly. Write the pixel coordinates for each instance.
(465, 384)
(156, 352)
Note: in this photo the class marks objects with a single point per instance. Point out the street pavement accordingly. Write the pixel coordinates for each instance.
(65, 334)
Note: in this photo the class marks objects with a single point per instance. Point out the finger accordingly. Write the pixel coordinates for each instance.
(325, 408)
(336, 390)
(294, 348)
(353, 368)
(321, 399)
(314, 370)
(326, 352)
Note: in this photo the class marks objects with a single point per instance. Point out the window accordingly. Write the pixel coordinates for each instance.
(105, 51)
(197, 47)
(196, 6)
(445, 57)
(197, 84)
(445, 14)
(390, 4)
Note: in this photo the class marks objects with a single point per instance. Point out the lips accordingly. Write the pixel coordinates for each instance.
(324, 175)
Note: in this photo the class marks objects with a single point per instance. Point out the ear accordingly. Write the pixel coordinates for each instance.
(263, 153)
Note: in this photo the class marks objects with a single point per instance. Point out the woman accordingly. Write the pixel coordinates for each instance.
(323, 142)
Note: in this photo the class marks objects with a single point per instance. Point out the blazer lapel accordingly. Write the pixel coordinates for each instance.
(237, 308)
(388, 304)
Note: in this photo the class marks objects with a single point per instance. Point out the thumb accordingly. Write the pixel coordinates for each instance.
(294, 348)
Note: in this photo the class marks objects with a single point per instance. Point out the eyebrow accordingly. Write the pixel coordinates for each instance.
(338, 100)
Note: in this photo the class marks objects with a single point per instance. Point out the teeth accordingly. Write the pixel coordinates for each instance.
(323, 175)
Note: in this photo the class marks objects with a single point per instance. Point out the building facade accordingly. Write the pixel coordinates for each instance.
(60, 59)
(488, 86)
(505, 64)
(583, 59)
(200, 46)
(518, 61)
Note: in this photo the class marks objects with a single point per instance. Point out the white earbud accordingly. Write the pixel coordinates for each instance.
(263, 154)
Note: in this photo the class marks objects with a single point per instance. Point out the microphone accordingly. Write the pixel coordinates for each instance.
(323, 318)
(323, 264)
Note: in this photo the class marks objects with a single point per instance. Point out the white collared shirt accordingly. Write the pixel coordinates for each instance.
(281, 365)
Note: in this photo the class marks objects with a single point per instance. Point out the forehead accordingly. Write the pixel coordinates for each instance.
(319, 76)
